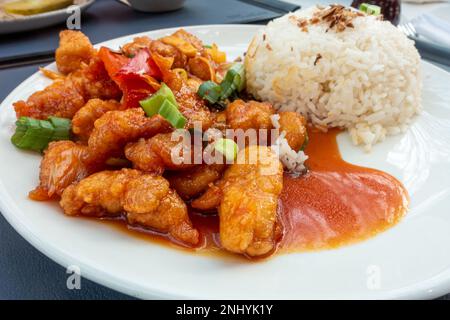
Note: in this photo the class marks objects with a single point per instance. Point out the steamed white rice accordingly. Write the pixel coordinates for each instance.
(292, 161)
(365, 78)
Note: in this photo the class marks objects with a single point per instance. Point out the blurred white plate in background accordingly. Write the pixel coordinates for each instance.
(38, 21)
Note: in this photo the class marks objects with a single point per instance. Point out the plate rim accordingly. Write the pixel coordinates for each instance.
(46, 14)
(430, 288)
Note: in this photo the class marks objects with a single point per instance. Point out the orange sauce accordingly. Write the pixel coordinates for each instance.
(334, 204)
(337, 203)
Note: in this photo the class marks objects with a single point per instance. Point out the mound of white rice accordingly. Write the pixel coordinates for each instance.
(364, 77)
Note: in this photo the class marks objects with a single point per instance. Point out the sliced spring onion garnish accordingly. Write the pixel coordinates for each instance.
(370, 9)
(210, 91)
(227, 147)
(171, 113)
(34, 134)
(152, 104)
(62, 128)
(237, 74)
(232, 83)
(305, 143)
(163, 102)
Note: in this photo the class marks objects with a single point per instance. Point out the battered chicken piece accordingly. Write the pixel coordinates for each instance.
(93, 81)
(193, 108)
(202, 68)
(249, 115)
(74, 50)
(210, 200)
(63, 163)
(165, 50)
(155, 154)
(193, 40)
(83, 121)
(131, 48)
(66, 162)
(248, 195)
(190, 183)
(64, 97)
(61, 99)
(145, 199)
(115, 129)
(294, 126)
(155, 46)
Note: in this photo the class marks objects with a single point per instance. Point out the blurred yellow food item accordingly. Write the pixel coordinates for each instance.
(30, 7)
(217, 55)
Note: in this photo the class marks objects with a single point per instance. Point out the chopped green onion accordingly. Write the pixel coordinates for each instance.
(163, 102)
(171, 113)
(207, 46)
(237, 69)
(37, 135)
(305, 143)
(34, 134)
(363, 7)
(228, 148)
(210, 91)
(62, 128)
(152, 104)
(21, 129)
(370, 9)
(232, 83)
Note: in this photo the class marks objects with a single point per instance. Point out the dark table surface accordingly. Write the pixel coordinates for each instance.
(109, 19)
(25, 273)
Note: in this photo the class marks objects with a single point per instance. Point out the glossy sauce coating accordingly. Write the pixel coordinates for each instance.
(334, 204)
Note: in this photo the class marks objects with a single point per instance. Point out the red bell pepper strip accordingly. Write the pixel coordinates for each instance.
(132, 74)
(113, 61)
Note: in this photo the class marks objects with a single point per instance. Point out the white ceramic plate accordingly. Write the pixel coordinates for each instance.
(38, 21)
(411, 260)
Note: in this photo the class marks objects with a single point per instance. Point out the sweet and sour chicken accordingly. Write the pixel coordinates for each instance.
(65, 96)
(145, 199)
(102, 91)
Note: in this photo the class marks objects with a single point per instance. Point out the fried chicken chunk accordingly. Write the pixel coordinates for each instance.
(155, 154)
(192, 182)
(131, 48)
(145, 199)
(115, 129)
(249, 115)
(248, 201)
(66, 162)
(190, 38)
(74, 49)
(165, 50)
(83, 121)
(193, 108)
(64, 97)
(92, 81)
(167, 47)
(294, 126)
(61, 98)
(156, 46)
(63, 163)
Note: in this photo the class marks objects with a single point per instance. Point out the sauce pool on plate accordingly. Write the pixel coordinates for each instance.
(333, 204)
(337, 203)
